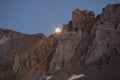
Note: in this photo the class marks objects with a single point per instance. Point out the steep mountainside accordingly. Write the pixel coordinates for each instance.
(86, 45)
(17, 53)
(98, 54)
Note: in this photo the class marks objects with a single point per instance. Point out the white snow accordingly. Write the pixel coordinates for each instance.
(76, 76)
(49, 77)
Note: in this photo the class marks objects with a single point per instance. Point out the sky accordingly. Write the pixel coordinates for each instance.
(43, 16)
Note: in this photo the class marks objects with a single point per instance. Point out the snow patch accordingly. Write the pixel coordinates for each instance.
(49, 77)
(76, 76)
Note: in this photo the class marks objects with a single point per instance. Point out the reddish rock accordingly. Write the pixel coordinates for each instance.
(84, 47)
(16, 52)
(83, 20)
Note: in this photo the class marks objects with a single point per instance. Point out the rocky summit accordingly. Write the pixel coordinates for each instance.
(88, 48)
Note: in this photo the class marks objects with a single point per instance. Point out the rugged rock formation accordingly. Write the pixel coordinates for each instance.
(46, 49)
(104, 58)
(86, 45)
(69, 40)
(82, 21)
(16, 53)
(98, 53)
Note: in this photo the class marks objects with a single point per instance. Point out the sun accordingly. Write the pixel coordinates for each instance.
(58, 30)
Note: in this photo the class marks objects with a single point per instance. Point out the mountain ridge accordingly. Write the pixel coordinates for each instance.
(86, 45)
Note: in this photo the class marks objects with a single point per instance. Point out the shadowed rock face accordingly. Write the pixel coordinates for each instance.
(103, 60)
(87, 45)
(16, 53)
(68, 42)
(98, 52)
(83, 20)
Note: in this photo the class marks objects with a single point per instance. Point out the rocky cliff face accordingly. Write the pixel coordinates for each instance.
(98, 52)
(86, 45)
(69, 40)
(17, 53)
(105, 50)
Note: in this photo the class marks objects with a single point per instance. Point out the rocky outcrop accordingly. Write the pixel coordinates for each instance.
(68, 41)
(66, 48)
(98, 54)
(46, 49)
(107, 35)
(16, 52)
(82, 21)
(104, 52)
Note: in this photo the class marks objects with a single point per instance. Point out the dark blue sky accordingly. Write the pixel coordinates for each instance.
(43, 16)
